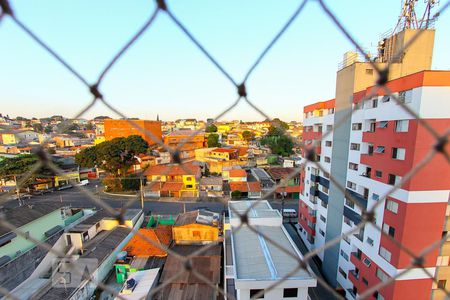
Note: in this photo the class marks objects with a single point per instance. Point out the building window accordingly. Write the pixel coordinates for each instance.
(329, 128)
(290, 293)
(189, 186)
(347, 221)
(405, 96)
(381, 275)
(196, 233)
(356, 126)
(353, 166)
(384, 253)
(323, 219)
(369, 71)
(328, 143)
(321, 232)
(441, 284)
(351, 185)
(344, 255)
(380, 149)
(188, 178)
(383, 124)
(378, 174)
(394, 179)
(354, 146)
(326, 175)
(401, 125)
(255, 292)
(389, 230)
(324, 189)
(392, 206)
(324, 204)
(349, 203)
(342, 273)
(442, 261)
(346, 239)
(398, 153)
(364, 280)
(386, 98)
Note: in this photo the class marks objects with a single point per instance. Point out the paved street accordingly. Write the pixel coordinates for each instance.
(76, 197)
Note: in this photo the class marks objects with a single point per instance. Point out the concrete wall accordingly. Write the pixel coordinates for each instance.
(18, 270)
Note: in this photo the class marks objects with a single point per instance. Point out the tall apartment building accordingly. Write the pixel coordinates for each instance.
(125, 128)
(368, 154)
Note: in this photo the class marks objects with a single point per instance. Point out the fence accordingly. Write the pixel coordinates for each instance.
(368, 216)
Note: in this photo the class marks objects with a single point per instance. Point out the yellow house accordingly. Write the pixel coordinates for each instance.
(223, 128)
(8, 138)
(173, 180)
(196, 227)
(99, 139)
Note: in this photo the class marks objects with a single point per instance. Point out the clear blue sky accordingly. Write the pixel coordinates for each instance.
(165, 74)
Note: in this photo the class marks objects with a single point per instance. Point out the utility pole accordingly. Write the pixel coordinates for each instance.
(141, 192)
(17, 191)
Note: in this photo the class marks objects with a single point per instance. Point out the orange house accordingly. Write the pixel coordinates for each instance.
(196, 227)
(186, 140)
(125, 128)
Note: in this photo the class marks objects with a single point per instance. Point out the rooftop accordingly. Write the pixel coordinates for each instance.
(237, 173)
(257, 258)
(22, 215)
(184, 132)
(225, 150)
(281, 173)
(173, 170)
(211, 181)
(245, 186)
(140, 246)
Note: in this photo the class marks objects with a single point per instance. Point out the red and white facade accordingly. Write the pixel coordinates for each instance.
(386, 142)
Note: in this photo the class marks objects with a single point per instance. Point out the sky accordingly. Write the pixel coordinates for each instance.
(165, 74)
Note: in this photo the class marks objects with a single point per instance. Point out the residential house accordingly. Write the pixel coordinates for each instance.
(173, 180)
(287, 180)
(224, 154)
(247, 189)
(196, 227)
(186, 141)
(211, 187)
(42, 222)
(263, 178)
(179, 285)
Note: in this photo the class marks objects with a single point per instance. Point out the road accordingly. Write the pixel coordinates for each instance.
(319, 292)
(77, 198)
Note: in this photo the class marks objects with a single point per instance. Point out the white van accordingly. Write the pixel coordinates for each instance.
(289, 213)
(84, 182)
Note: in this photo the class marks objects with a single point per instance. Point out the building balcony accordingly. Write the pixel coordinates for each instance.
(356, 255)
(315, 178)
(314, 191)
(352, 273)
(350, 292)
(360, 199)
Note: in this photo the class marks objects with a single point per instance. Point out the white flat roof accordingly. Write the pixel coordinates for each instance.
(259, 209)
(145, 281)
(255, 256)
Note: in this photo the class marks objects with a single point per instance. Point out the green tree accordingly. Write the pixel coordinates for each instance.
(115, 156)
(48, 129)
(236, 194)
(213, 140)
(131, 183)
(278, 142)
(211, 128)
(248, 135)
(87, 157)
(14, 168)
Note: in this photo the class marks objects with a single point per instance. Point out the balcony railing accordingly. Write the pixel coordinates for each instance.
(357, 255)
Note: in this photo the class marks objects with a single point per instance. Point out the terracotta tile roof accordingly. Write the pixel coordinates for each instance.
(140, 246)
(173, 170)
(244, 186)
(238, 173)
(165, 186)
(280, 173)
(289, 189)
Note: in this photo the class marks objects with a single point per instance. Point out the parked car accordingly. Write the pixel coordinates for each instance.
(129, 287)
(289, 213)
(64, 187)
(84, 182)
